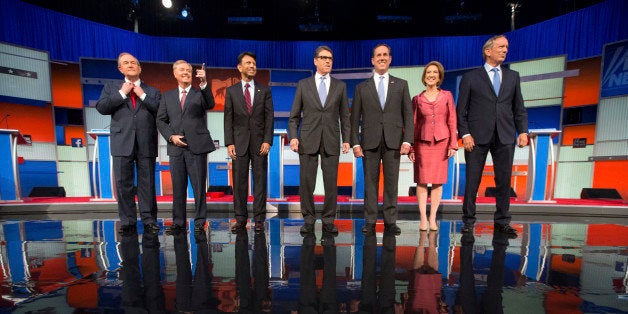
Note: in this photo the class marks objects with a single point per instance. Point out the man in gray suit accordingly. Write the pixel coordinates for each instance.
(383, 110)
(321, 109)
(133, 106)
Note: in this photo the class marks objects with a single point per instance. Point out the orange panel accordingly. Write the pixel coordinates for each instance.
(345, 174)
(606, 174)
(74, 131)
(66, 85)
(607, 235)
(578, 131)
(83, 296)
(583, 89)
(32, 120)
(562, 301)
(566, 267)
(166, 183)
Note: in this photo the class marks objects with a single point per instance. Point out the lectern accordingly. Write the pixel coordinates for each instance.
(540, 183)
(102, 166)
(9, 175)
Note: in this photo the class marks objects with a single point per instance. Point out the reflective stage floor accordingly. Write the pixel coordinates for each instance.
(86, 266)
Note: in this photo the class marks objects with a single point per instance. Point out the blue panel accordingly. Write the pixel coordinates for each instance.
(283, 97)
(22, 101)
(7, 180)
(218, 174)
(99, 68)
(351, 88)
(288, 76)
(580, 115)
(15, 257)
(614, 72)
(42, 230)
(534, 251)
(61, 116)
(462, 179)
(359, 178)
(544, 117)
(448, 187)
(91, 92)
(60, 134)
(540, 173)
(291, 175)
(37, 173)
(274, 168)
(280, 123)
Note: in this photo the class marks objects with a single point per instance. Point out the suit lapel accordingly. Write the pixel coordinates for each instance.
(373, 90)
(332, 89)
(487, 80)
(314, 90)
(256, 99)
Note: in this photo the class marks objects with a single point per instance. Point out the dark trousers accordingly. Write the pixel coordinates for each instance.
(503, 155)
(307, 171)
(241, 184)
(193, 166)
(389, 159)
(124, 172)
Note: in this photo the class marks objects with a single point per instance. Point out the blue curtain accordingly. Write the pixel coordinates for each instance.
(579, 35)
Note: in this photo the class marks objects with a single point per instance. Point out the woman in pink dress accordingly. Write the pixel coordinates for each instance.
(435, 140)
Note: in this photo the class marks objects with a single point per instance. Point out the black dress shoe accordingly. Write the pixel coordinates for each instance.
(259, 226)
(506, 229)
(239, 226)
(330, 228)
(467, 228)
(368, 229)
(151, 228)
(307, 228)
(392, 228)
(174, 229)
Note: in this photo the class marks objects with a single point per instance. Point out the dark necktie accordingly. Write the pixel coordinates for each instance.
(247, 98)
(183, 93)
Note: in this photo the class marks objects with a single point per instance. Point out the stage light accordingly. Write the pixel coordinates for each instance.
(167, 3)
(184, 13)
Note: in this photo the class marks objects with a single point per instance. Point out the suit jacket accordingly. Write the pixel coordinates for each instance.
(480, 111)
(395, 121)
(435, 122)
(190, 122)
(246, 130)
(128, 125)
(320, 122)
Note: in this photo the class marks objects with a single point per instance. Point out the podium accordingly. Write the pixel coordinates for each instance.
(451, 187)
(541, 155)
(9, 175)
(102, 166)
(275, 165)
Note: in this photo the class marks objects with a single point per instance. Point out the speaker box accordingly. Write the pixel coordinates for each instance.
(47, 191)
(590, 193)
(220, 188)
(490, 192)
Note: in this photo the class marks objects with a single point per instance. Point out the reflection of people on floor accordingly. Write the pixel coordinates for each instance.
(311, 299)
(380, 300)
(492, 298)
(193, 293)
(136, 297)
(424, 290)
(258, 299)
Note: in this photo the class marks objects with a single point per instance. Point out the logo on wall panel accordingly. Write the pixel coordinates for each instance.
(615, 69)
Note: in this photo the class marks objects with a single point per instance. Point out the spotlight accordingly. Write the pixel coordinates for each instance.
(186, 14)
(167, 3)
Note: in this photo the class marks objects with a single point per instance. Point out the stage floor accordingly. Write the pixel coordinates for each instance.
(63, 258)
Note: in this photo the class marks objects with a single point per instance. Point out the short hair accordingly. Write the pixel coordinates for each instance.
(126, 53)
(382, 45)
(174, 65)
(489, 44)
(441, 72)
(246, 53)
(321, 48)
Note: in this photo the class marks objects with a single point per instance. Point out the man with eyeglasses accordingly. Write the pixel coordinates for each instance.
(321, 109)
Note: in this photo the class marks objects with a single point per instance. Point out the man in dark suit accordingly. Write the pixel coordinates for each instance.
(490, 111)
(248, 136)
(133, 106)
(383, 110)
(321, 108)
(182, 121)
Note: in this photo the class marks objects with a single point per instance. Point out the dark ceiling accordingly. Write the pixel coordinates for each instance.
(316, 19)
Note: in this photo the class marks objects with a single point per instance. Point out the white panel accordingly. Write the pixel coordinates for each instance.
(406, 176)
(600, 267)
(541, 91)
(74, 178)
(38, 151)
(569, 235)
(216, 126)
(571, 177)
(219, 155)
(568, 153)
(611, 131)
(69, 153)
(412, 75)
(95, 120)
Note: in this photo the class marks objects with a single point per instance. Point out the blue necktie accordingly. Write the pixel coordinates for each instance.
(381, 92)
(497, 82)
(322, 91)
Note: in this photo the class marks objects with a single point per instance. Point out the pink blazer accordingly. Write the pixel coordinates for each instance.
(435, 121)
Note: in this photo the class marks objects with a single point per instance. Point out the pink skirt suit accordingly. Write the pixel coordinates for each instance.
(434, 133)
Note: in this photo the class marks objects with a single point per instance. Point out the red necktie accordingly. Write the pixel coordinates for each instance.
(133, 99)
(183, 93)
(247, 98)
